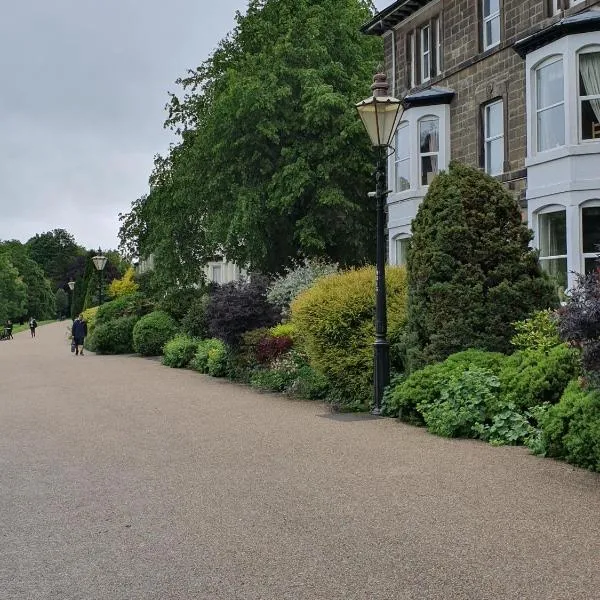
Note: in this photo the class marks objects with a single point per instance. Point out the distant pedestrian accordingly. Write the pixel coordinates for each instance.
(79, 333)
(32, 326)
(8, 330)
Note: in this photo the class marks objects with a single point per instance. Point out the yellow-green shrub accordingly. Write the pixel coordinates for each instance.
(89, 316)
(283, 330)
(125, 285)
(334, 324)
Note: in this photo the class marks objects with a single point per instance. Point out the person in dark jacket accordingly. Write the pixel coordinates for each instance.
(79, 332)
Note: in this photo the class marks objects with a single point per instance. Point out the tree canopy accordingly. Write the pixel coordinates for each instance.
(272, 162)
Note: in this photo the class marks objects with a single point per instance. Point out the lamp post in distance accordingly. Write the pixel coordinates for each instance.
(380, 114)
(99, 262)
(71, 285)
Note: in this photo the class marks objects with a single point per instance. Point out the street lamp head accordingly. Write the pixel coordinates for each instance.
(71, 285)
(99, 260)
(380, 113)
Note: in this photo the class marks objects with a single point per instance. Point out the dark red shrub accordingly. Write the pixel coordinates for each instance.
(270, 347)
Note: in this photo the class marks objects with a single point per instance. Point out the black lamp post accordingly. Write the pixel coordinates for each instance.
(380, 115)
(71, 285)
(99, 262)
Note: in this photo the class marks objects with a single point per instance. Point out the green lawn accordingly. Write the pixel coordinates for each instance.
(24, 327)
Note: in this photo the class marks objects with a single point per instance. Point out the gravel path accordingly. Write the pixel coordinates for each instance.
(123, 479)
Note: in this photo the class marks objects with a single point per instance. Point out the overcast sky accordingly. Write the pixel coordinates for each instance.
(83, 85)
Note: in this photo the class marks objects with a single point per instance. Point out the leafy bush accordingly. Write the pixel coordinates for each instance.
(579, 322)
(540, 332)
(124, 286)
(508, 427)
(178, 301)
(532, 377)
(470, 268)
(466, 399)
(308, 384)
(89, 316)
(114, 336)
(136, 304)
(152, 332)
(283, 330)
(296, 279)
(179, 352)
(237, 307)
(570, 430)
(269, 348)
(334, 320)
(424, 387)
(194, 322)
(211, 358)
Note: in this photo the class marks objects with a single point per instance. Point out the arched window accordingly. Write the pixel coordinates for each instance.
(552, 236)
(429, 148)
(402, 158)
(590, 234)
(589, 93)
(549, 104)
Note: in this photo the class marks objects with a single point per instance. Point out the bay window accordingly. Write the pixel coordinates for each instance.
(552, 230)
(429, 148)
(590, 236)
(491, 23)
(402, 158)
(493, 124)
(589, 95)
(550, 105)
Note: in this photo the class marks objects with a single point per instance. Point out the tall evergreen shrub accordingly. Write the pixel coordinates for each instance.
(471, 272)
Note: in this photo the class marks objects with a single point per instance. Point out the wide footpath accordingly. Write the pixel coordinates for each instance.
(123, 479)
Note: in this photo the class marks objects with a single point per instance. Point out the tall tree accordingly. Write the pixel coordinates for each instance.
(273, 163)
(13, 292)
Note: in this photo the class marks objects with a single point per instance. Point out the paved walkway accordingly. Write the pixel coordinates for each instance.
(123, 479)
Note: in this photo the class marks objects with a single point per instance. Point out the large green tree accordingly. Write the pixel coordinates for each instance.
(13, 292)
(273, 163)
(471, 271)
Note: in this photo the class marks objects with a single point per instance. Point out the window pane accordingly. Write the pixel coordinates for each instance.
(490, 7)
(425, 39)
(553, 233)
(429, 135)
(401, 250)
(494, 156)
(402, 142)
(494, 120)
(492, 32)
(590, 220)
(557, 269)
(403, 175)
(549, 85)
(591, 264)
(551, 128)
(429, 168)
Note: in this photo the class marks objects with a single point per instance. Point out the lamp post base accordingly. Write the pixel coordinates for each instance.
(381, 355)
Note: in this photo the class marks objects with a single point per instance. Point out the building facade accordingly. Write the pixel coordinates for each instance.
(510, 86)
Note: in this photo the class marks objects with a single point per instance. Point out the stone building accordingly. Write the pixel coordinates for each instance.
(511, 86)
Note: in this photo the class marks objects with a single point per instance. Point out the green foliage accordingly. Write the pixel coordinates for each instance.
(509, 426)
(466, 398)
(335, 327)
(125, 285)
(470, 268)
(152, 332)
(570, 430)
(264, 122)
(177, 301)
(283, 330)
(131, 305)
(532, 377)
(424, 387)
(179, 352)
(61, 302)
(540, 332)
(295, 280)
(13, 292)
(211, 358)
(194, 322)
(114, 336)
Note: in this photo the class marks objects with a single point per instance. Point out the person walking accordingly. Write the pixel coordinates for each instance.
(79, 333)
(32, 326)
(8, 330)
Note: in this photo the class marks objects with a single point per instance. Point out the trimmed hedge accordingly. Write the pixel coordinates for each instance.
(152, 332)
(334, 321)
(136, 304)
(114, 336)
(179, 352)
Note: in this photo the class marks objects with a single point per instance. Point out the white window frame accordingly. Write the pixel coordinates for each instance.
(538, 110)
(585, 255)
(425, 34)
(489, 139)
(404, 125)
(487, 45)
(426, 154)
(216, 269)
(438, 46)
(581, 99)
(544, 259)
(400, 257)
